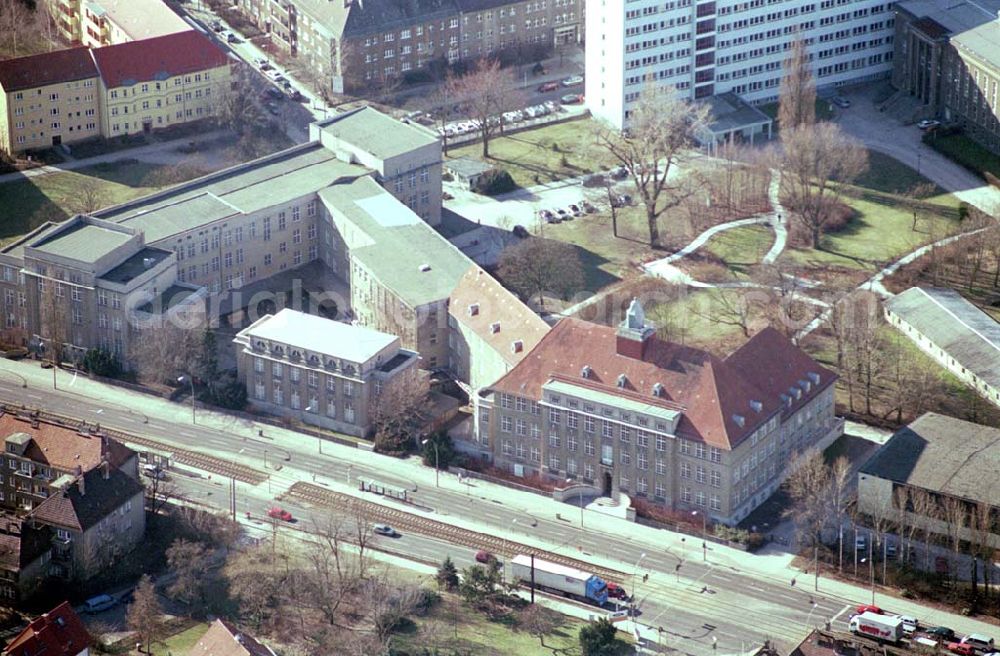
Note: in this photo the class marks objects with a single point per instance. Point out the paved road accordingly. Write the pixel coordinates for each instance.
(742, 598)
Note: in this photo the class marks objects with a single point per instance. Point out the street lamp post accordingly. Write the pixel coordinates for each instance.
(704, 532)
(504, 555)
(437, 467)
(190, 379)
(635, 569)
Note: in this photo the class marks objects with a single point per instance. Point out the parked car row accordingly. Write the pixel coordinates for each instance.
(470, 126)
(568, 213)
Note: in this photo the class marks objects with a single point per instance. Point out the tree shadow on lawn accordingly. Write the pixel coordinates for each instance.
(25, 208)
(595, 278)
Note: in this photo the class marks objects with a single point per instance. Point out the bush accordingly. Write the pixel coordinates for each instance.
(445, 453)
(228, 393)
(447, 177)
(101, 362)
(594, 181)
(495, 182)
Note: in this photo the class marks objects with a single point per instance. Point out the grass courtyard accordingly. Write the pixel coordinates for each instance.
(542, 155)
(32, 201)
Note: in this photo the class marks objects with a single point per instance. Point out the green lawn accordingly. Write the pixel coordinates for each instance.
(881, 232)
(688, 318)
(30, 202)
(452, 627)
(823, 111)
(181, 643)
(741, 248)
(889, 175)
(606, 259)
(553, 152)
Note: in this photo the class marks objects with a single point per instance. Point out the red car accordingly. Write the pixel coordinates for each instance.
(279, 513)
(616, 591)
(868, 608)
(961, 648)
(548, 86)
(483, 556)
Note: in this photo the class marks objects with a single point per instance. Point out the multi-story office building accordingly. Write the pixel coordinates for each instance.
(709, 47)
(96, 23)
(320, 371)
(624, 411)
(70, 95)
(354, 44)
(48, 99)
(72, 286)
(948, 56)
(333, 201)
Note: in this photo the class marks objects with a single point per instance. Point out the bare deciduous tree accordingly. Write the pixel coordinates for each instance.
(488, 91)
(163, 349)
(655, 150)
(817, 163)
(91, 195)
(400, 411)
(534, 267)
(797, 93)
(808, 487)
(916, 199)
(145, 616)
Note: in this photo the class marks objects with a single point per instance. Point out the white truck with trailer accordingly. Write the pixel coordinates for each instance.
(560, 579)
(886, 628)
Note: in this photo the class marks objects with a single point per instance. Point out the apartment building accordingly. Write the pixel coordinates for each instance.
(159, 82)
(354, 44)
(96, 23)
(628, 413)
(709, 47)
(37, 453)
(96, 518)
(946, 56)
(25, 555)
(71, 95)
(48, 99)
(322, 372)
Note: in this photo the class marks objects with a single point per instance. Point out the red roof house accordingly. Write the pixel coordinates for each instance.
(47, 68)
(159, 58)
(60, 632)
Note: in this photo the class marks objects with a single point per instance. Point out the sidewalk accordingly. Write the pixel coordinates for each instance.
(773, 567)
(168, 148)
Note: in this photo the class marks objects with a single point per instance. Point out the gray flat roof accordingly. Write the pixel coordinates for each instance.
(136, 264)
(242, 189)
(942, 454)
(730, 112)
(965, 332)
(378, 134)
(311, 333)
(82, 241)
(972, 26)
(467, 166)
(400, 245)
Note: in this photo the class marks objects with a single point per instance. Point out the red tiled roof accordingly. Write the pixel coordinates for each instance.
(714, 394)
(63, 448)
(494, 304)
(158, 58)
(224, 639)
(778, 367)
(60, 632)
(47, 68)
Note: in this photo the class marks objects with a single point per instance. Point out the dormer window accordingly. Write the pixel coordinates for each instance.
(278, 350)
(798, 392)
(473, 309)
(586, 371)
(495, 327)
(756, 406)
(814, 377)
(331, 364)
(296, 355)
(622, 381)
(805, 385)
(658, 390)
(259, 345)
(740, 421)
(314, 360)
(516, 346)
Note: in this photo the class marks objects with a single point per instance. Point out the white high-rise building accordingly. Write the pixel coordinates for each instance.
(709, 47)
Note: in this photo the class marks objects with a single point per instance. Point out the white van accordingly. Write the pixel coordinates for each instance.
(98, 603)
(979, 642)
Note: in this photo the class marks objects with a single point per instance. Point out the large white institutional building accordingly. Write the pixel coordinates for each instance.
(710, 47)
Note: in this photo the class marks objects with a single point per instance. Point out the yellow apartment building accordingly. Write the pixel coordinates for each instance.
(97, 23)
(159, 82)
(48, 100)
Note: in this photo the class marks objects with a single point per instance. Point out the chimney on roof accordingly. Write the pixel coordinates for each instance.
(633, 333)
(80, 484)
(105, 469)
